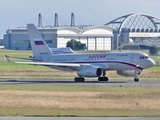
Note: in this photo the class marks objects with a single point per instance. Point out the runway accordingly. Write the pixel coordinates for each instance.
(79, 118)
(86, 83)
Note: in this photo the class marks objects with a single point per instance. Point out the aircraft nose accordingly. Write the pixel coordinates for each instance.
(151, 63)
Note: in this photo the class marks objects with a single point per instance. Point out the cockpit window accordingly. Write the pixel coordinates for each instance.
(144, 57)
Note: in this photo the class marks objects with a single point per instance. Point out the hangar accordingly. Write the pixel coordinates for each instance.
(95, 38)
(137, 29)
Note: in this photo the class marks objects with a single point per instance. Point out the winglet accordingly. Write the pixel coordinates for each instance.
(7, 58)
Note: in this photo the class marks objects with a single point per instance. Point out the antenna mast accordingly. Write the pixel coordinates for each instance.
(39, 20)
(56, 20)
(72, 20)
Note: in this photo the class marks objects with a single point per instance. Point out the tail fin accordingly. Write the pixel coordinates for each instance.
(39, 46)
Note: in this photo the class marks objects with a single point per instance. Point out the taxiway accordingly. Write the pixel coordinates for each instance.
(86, 83)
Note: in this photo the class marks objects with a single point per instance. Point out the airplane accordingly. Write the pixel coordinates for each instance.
(87, 64)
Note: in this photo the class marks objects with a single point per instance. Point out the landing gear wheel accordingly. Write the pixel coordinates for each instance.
(79, 79)
(136, 79)
(102, 78)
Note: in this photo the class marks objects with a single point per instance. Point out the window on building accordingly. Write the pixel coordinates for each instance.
(48, 41)
(20, 41)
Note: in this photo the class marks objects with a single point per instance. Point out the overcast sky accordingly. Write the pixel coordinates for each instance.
(16, 13)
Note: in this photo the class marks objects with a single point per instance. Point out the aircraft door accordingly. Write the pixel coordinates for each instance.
(72, 59)
(132, 59)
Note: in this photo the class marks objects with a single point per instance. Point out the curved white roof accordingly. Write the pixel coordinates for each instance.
(68, 30)
(98, 30)
(140, 19)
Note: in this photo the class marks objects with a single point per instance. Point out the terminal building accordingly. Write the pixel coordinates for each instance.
(136, 29)
(133, 29)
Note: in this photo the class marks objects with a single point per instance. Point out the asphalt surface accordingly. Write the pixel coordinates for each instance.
(79, 118)
(86, 83)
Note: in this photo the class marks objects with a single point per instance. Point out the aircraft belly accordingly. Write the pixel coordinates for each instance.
(102, 66)
(117, 66)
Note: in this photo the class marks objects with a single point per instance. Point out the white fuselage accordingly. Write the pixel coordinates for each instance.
(107, 61)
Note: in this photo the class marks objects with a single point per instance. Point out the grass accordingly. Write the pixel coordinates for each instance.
(32, 100)
(76, 112)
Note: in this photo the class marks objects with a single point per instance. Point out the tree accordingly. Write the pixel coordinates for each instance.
(76, 45)
(153, 50)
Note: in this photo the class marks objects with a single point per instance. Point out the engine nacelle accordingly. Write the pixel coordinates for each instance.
(128, 72)
(89, 72)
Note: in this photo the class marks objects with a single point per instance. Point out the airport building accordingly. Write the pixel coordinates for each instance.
(133, 29)
(136, 29)
(95, 38)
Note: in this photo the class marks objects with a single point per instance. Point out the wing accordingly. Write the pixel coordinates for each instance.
(73, 66)
(30, 58)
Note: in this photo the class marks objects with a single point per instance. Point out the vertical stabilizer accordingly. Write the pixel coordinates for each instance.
(39, 46)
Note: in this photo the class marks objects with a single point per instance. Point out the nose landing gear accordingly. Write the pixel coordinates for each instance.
(136, 79)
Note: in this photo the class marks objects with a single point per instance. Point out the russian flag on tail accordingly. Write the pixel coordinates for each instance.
(38, 42)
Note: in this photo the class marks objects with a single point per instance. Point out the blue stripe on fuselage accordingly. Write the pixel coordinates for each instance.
(105, 62)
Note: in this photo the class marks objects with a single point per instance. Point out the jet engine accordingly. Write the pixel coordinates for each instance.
(128, 72)
(90, 72)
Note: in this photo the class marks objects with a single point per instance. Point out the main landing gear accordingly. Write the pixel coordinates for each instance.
(103, 78)
(82, 79)
(79, 79)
